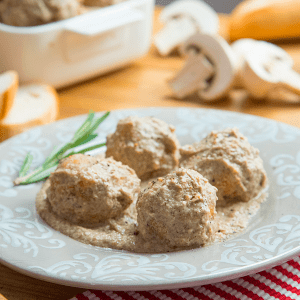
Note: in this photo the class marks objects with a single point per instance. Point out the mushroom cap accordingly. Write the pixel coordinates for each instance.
(244, 48)
(204, 16)
(256, 60)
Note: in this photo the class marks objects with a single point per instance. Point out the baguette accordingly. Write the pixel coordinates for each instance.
(34, 104)
(265, 20)
(9, 82)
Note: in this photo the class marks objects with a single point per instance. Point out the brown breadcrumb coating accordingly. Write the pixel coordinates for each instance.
(178, 209)
(229, 162)
(147, 145)
(86, 190)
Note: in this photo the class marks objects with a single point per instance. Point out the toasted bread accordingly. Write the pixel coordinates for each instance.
(9, 82)
(34, 104)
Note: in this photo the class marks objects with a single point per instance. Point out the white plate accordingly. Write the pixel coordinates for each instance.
(28, 245)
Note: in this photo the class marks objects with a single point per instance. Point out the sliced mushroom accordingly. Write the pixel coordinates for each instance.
(210, 68)
(244, 48)
(265, 67)
(182, 19)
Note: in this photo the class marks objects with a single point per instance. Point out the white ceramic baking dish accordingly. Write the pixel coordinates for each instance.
(79, 48)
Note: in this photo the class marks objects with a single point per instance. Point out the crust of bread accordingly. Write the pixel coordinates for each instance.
(50, 115)
(8, 96)
(248, 20)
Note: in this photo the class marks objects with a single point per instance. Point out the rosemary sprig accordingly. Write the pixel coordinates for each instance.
(84, 134)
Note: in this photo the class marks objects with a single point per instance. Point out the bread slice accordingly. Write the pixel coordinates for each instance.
(9, 82)
(34, 104)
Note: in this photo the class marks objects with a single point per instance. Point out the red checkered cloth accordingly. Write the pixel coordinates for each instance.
(279, 283)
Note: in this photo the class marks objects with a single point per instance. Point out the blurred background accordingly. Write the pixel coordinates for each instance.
(220, 6)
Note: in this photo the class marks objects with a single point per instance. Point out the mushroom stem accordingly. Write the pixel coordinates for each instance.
(193, 76)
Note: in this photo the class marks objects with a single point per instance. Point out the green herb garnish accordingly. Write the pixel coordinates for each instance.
(82, 136)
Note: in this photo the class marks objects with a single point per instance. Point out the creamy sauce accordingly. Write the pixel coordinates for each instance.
(122, 233)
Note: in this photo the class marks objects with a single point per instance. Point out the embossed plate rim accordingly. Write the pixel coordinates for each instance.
(54, 240)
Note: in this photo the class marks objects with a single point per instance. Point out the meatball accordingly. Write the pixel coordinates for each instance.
(229, 162)
(86, 190)
(177, 209)
(37, 12)
(147, 145)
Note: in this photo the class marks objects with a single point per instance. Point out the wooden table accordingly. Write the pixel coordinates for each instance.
(142, 84)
